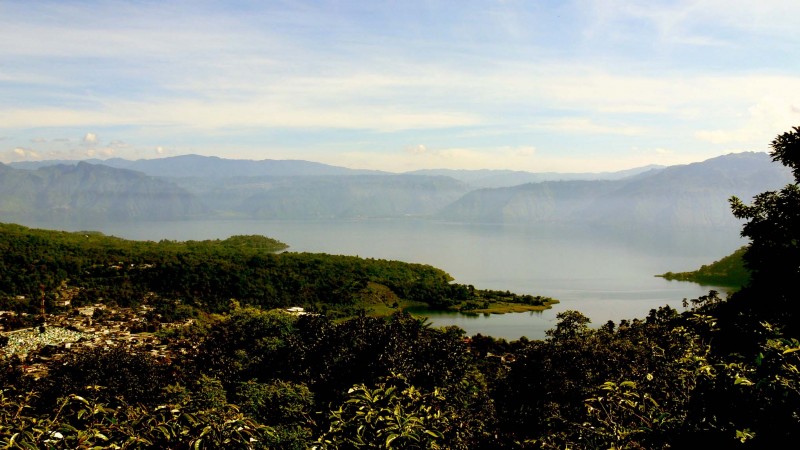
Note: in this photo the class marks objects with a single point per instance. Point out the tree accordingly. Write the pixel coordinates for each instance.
(571, 324)
(773, 255)
(392, 415)
(129, 374)
(282, 405)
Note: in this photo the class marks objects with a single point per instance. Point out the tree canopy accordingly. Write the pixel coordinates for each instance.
(773, 254)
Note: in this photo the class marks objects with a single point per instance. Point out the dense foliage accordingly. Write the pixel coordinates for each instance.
(773, 227)
(722, 373)
(729, 271)
(90, 267)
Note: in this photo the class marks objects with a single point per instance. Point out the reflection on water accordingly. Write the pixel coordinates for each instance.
(605, 274)
(532, 324)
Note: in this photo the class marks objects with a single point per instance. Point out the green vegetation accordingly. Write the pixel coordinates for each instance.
(179, 277)
(502, 307)
(722, 374)
(729, 271)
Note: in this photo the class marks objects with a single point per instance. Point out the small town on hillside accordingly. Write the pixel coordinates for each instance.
(88, 327)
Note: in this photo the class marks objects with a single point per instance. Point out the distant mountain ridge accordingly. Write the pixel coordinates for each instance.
(212, 166)
(677, 196)
(691, 195)
(357, 196)
(215, 167)
(86, 192)
(486, 178)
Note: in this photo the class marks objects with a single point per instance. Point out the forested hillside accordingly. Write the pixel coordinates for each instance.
(729, 271)
(207, 275)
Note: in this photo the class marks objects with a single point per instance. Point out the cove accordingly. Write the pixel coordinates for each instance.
(604, 274)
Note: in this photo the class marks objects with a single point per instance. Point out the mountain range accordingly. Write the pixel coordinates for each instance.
(211, 167)
(486, 178)
(677, 196)
(88, 193)
(192, 186)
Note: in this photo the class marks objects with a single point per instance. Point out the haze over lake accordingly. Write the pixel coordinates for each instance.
(606, 275)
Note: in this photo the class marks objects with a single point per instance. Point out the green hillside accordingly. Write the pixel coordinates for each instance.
(207, 275)
(727, 272)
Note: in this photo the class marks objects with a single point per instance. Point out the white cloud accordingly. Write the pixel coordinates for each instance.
(696, 22)
(524, 151)
(423, 157)
(587, 126)
(203, 115)
(509, 158)
(417, 149)
(22, 153)
(195, 74)
(100, 152)
(760, 123)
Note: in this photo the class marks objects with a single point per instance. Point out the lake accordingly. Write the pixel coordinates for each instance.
(606, 275)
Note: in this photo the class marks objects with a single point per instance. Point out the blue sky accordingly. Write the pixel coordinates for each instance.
(569, 86)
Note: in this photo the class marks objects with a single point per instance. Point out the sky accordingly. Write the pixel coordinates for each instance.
(541, 86)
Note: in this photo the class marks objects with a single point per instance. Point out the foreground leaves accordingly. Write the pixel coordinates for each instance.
(80, 423)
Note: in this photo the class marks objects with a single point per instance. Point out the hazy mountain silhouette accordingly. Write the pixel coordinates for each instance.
(190, 186)
(212, 167)
(677, 196)
(86, 192)
(354, 196)
(486, 178)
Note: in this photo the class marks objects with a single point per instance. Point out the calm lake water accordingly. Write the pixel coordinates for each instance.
(605, 275)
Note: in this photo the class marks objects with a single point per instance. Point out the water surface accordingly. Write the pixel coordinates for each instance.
(606, 275)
